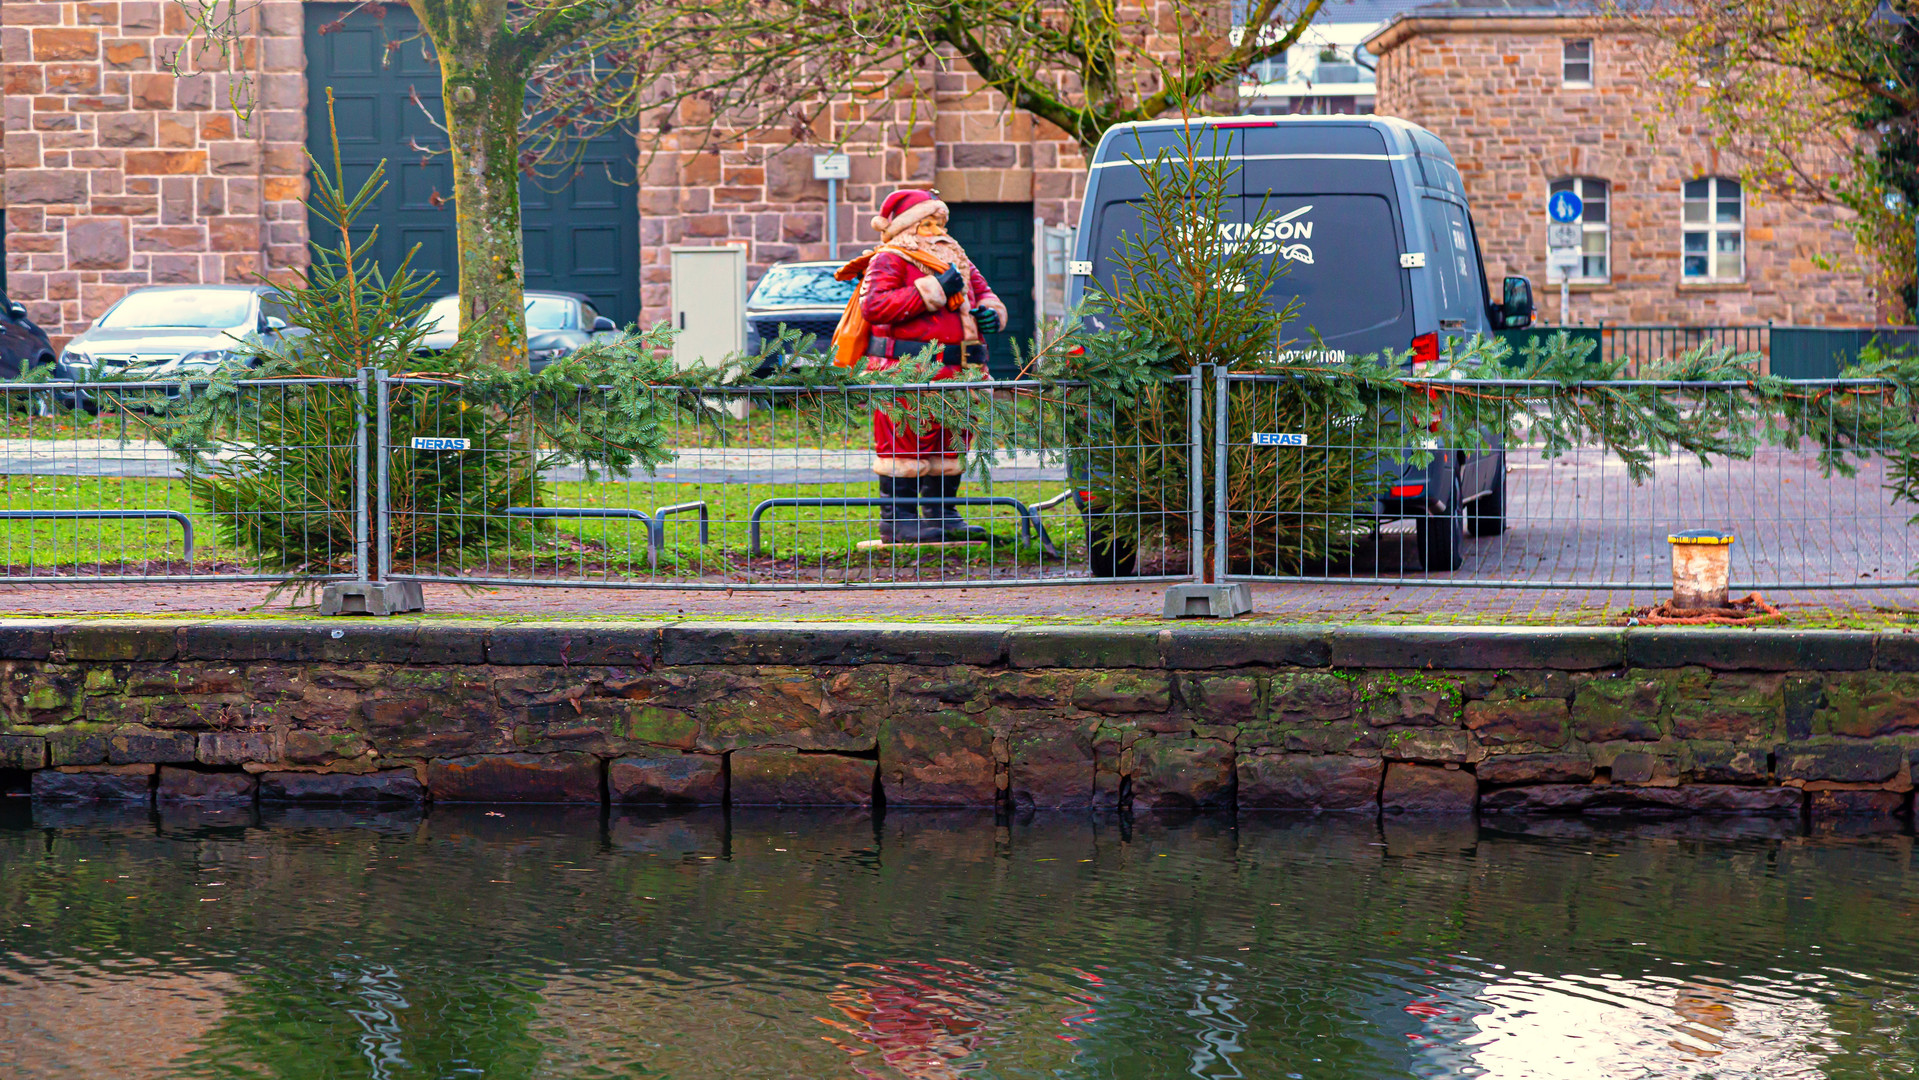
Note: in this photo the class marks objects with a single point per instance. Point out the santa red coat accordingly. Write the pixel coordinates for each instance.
(903, 301)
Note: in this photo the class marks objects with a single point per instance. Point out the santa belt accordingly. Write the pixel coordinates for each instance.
(902, 348)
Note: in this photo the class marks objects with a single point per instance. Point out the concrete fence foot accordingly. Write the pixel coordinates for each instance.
(371, 598)
(1191, 601)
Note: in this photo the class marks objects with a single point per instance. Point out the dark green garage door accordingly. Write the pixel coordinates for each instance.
(998, 237)
(582, 232)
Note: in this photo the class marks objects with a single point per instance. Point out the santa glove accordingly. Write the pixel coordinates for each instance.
(952, 281)
(988, 320)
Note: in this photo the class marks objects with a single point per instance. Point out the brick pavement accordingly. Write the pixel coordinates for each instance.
(1287, 602)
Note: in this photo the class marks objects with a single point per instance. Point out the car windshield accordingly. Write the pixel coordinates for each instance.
(185, 309)
(542, 313)
(549, 313)
(802, 286)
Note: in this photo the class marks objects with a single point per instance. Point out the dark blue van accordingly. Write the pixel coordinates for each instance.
(1370, 213)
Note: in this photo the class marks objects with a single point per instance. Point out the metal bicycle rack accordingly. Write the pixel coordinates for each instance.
(1029, 522)
(655, 522)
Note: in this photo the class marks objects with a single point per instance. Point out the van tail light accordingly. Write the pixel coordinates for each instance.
(1425, 350)
(1229, 124)
(1407, 491)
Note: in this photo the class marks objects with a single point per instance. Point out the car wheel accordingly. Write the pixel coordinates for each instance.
(1486, 515)
(1442, 535)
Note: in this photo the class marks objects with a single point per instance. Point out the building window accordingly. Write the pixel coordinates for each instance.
(1594, 221)
(1576, 62)
(1715, 222)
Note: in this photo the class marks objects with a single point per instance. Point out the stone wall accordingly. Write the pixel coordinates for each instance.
(1247, 719)
(1492, 89)
(118, 174)
(943, 129)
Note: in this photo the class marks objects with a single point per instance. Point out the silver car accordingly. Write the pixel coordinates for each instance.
(173, 332)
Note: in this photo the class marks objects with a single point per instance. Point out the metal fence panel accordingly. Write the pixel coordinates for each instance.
(90, 491)
(1817, 352)
(774, 487)
(1323, 507)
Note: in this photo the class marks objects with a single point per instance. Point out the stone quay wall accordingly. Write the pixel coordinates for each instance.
(1595, 721)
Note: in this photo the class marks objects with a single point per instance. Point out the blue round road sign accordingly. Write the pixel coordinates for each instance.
(1564, 207)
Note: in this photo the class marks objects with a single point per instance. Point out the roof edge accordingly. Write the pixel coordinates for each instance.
(1408, 24)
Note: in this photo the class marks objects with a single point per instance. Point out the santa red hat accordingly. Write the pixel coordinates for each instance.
(906, 208)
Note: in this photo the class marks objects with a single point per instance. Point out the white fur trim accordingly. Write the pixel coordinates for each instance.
(879, 224)
(918, 466)
(931, 294)
(908, 218)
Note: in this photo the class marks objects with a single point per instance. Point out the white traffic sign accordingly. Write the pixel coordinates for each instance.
(1564, 206)
(1564, 260)
(1562, 236)
(832, 166)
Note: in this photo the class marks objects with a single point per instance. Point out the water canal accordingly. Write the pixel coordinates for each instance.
(525, 943)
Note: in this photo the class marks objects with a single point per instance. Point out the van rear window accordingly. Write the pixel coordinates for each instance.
(1341, 253)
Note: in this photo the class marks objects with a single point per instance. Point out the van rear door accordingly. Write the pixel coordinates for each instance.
(1119, 190)
(1329, 194)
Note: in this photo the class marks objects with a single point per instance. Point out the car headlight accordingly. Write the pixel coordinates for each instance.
(76, 361)
(547, 354)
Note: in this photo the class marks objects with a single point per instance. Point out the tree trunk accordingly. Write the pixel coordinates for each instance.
(483, 106)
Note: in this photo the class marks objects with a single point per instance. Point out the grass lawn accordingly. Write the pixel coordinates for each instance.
(799, 543)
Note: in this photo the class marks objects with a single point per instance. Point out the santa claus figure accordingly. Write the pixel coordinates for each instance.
(919, 287)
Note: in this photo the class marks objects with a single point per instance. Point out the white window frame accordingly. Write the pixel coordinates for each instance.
(1587, 228)
(1565, 61)
(1713, 228)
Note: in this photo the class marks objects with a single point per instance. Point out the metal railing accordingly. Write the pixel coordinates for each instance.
(757, 487)
(92, 491)
(770, 488)
(1328, 506)
(1792, 352)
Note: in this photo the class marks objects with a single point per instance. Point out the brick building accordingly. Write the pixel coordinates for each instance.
(118, 175)
(1535, 96)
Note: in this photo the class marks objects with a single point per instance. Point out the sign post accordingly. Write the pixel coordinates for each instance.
(1563, 239)
(832, 168)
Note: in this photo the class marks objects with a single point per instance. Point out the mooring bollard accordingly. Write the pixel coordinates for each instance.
(1701, 568)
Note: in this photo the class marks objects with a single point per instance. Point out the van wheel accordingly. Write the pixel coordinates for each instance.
(1442, 536)
(1486, 515)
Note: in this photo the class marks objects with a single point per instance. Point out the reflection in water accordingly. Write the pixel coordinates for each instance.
(946, 946)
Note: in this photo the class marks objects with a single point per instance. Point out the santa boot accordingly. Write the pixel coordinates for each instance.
(899, 521)
(945, 516)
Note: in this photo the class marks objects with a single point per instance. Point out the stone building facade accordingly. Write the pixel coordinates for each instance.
(1526, 97)
(119, 174)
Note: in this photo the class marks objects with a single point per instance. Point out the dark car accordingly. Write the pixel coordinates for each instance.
(1398, 267)
(800, 296)
(557, 323)
(23, 346)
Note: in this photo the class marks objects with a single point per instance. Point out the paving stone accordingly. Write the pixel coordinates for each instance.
(567, 644)
(1428, 789)
(1083, 647)
(1733, 649)
(385, 787)
(830, 644)
(1189, 648)
(1483, 648)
